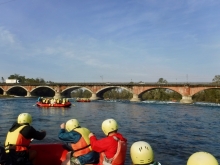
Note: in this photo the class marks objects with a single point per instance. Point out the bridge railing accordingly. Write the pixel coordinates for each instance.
(118, 84)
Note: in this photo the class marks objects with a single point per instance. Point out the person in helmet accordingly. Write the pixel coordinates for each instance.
(142, 153)
(113, 147)
(81, 152)
(20, 135)
(202, 158)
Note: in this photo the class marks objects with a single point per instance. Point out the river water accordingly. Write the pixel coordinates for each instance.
(174, 130)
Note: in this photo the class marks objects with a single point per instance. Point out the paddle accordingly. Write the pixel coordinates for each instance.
(35, 104)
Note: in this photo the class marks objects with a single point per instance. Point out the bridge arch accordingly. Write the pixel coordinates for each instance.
(145, 89)
(22, 92)
(68, 90)
(42, 87)
(167, 93)
(138, 91)
(76, 87)
(153, 88)
(45, 91)
(199, 89)
(99, 93)
(1, 90)
(17, 86)
(208, 95)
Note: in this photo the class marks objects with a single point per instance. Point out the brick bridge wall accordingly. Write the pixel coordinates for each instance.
(186, 90)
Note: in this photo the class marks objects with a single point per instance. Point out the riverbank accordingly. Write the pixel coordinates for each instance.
(8, 96)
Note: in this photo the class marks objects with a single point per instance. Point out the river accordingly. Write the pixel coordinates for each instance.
(174, 130)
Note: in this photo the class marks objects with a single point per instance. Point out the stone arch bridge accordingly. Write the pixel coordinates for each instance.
(186, 90)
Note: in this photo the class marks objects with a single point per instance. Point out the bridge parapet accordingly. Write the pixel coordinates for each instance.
(114, 83)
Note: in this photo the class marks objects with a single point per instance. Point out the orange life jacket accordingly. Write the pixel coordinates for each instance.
(119, 157)
(82, 147)
(17, 139)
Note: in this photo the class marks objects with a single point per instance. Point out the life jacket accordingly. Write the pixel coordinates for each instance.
(118, 158)
(82, 147)
(64, 101)
(17, 139)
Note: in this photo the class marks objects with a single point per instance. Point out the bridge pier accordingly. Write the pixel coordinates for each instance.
(94, 97)
(186, 100)
(28, 94)
(57, 95)
(135, 98)
(4, 93)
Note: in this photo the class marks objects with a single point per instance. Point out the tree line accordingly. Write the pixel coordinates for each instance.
(23, 79)
(209, 95)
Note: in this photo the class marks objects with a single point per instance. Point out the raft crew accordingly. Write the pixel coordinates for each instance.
(84, 146)
(112, 148)
(82, 99)
(78, 137)
(52, 101)
(142, 153)
(20, 135)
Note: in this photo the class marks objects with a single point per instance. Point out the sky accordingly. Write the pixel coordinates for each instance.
(110, 40)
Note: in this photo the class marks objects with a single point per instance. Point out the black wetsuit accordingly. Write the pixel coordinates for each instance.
(7, 159)
(29, 133)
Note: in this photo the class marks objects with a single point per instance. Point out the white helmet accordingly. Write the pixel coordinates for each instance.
(109, 125)
(71, 124)
(141, 153)
(202, 158)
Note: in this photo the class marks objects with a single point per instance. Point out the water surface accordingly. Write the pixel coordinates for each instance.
(175, 131)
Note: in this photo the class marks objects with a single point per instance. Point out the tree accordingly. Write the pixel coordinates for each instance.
(14, 76)
(3, 80)
(21, 79)
(216, 79)
(162, 81)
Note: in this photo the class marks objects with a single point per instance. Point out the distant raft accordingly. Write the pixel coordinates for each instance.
(40, 104)
(83, 100)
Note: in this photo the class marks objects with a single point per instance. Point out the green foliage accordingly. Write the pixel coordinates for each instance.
(209, 95)
(22, 79)
(162, 95)
(82, 93)
(216, 79)
(117, 93)
(18, 77)
(37, 80)
(162, 81)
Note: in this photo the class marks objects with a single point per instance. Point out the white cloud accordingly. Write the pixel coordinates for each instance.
(142, 40)
(6, 37)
